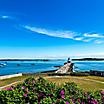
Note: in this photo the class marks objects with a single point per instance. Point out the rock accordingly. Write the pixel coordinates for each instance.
(57, 66)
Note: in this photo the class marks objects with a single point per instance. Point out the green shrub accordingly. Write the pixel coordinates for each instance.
(79, 74)
(59, 74)
(40, 91)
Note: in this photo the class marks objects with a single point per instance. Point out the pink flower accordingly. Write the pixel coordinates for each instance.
(103, 97)
(51, 95)
(102, 92)
(23, 87)
(9, 89)
(94, 102)
(25, 95)
(62, 96)
(27, 90)
(88, 97)
(72, 100)
(33, 81)
(62, 92)
(67, 102)
(28, 82)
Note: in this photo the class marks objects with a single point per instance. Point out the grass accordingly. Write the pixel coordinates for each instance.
(11, 80)
(15, 79)
(96, 78)
(87, 85)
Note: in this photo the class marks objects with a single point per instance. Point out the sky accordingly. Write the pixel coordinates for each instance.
(51, 28)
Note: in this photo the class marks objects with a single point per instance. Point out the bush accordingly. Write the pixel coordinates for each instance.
(59, 74)
(41, 91)
(79, 74)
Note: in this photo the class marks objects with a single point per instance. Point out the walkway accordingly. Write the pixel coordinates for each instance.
(9, 85)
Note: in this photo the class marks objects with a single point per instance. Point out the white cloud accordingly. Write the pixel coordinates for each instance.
(93, 35)
(84, 37)
(78, 38)
(98, 41)
(67, 34)
(87, 40)
(61, 34)
(4, 17)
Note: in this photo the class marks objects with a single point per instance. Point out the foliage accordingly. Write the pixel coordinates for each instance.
(79, 74)
(59, 74)
(40, 91)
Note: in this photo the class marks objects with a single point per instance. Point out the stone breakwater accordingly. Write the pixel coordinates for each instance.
(67, 67)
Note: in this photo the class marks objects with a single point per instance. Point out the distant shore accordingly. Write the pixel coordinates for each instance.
(89, 59)
(76, 59)
(29, 59)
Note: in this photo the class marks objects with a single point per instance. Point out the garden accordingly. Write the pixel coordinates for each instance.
(41, 91)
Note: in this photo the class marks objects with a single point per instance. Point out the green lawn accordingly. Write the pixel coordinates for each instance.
(86, 85)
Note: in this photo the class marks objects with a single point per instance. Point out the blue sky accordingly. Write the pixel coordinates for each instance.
(51, 28)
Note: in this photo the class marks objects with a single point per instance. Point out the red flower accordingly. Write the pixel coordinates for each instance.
(79, 100)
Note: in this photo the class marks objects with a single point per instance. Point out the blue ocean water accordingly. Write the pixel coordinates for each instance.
(89, 65)
(13, 67)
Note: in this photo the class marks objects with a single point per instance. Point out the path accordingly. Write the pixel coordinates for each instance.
(9, 85)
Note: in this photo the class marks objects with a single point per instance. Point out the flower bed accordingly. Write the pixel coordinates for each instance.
(41, 91)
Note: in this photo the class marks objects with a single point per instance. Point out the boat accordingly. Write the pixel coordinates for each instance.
(32, 64)
(2, 64)
(18, 64)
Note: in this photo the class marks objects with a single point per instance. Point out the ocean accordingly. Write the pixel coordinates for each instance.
(13, 67)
